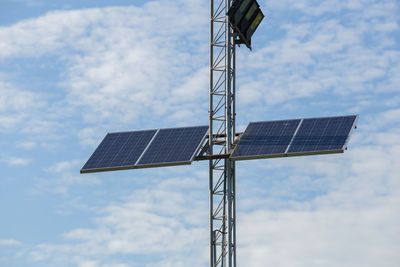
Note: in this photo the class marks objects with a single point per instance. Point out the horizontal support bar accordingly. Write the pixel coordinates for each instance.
(208, 157)
(224, 135)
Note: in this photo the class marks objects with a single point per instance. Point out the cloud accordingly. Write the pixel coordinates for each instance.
(157, 212)
(15, 104)
(328, 48)
(28, 113)
(329, 237)
(16, 161)
(63, 166)
(122, 66)
(153, 220)
(350, 213)
(65, 176)
(59, 179)
(9, 242)
(27, 145)
(138, 70)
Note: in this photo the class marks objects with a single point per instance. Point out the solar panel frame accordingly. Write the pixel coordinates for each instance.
(354, 126)
(110, 167)
(188, 161)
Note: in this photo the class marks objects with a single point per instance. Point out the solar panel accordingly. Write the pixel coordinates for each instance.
(175, 146)
(151, 148)
(265, 139)
(294, 137)
(118, 151)
(323, 135)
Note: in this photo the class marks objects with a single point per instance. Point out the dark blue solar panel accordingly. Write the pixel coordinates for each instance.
(174, 146)
(265, 138)
(322, 134)
(119, 150)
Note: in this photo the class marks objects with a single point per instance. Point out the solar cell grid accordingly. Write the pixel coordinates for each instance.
(265, 138)
(139, 149)
(174, 146)
(294, 137)
(119, 150)
(322, 134)
(98, 154)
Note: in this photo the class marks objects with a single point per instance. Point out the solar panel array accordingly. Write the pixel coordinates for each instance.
(294, 137)
(151, 148)
(178, 146)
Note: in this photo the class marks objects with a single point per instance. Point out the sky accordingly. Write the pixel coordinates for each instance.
(71, 71)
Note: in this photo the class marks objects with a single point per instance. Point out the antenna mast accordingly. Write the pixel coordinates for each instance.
(221, 137)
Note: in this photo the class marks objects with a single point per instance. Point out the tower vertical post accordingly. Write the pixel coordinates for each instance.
(221, 137)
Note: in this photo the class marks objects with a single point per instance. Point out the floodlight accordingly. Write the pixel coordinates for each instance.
(244, 17)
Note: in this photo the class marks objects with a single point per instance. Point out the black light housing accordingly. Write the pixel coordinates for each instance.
(244, 17)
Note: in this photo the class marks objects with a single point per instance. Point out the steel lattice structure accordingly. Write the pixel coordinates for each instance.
(222, 133)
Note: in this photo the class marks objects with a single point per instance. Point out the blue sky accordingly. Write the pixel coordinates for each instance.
(71, 71)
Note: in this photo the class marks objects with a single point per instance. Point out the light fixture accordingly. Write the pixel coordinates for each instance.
(244, 17)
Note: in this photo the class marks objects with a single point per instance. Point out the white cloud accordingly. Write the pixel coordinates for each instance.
(88, 264)
(16, 100)
(161, 219)
(90, 136)
(64, 176)
(27, 145)
(63, 181)
(9, 242)
(63, 166)
(27, 112)
(330, 48)
(122, 65)
(331, 237)
(157, 213)
(17, 161)
(16, 105)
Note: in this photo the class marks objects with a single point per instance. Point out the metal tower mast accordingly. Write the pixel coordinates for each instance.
(221, 137)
